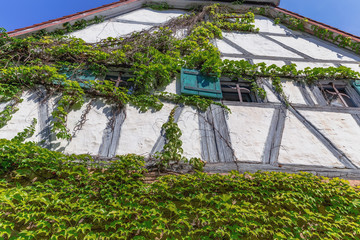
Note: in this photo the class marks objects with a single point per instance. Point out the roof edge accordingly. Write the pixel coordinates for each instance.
(122, 6)
(319, 24)
(73, 17)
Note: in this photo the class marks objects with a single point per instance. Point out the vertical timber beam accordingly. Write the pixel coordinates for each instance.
(112, 132)
(222, 135)
(44, 119)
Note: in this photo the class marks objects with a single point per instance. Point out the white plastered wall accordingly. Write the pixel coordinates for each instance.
(226, 48)
(341, 129)
(148, 15)
(89, 138)
(28, 109)
(189, 126)
(267, 25)
(299, 146)
(130, 22)
(141, 130)
(249, 128)
(316, 48)
(259, 45)
(270, 95)
(292, 92)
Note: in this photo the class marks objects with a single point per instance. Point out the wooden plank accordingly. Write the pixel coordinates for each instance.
(271, 136)
(248, 167)
(305, 94)
(356, 118)
(119, 120)
(135, 22)
(111, 134)
(318, 95)
(350, 110)
(251, 104)
(355, 97)
(222, 135)
(264, 57)
(45, 119)
(276, 143)
(209, 151)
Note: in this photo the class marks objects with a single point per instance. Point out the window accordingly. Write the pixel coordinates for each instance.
(336, 95)
(119, 78)
(195, 83)
(237, 91)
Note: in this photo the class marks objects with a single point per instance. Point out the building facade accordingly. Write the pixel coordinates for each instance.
(310, 127)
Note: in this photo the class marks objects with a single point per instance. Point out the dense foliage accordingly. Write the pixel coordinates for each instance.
(48, 195)
(154, 58)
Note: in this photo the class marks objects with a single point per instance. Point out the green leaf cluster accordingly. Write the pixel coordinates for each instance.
(153, 57)
(49, 195)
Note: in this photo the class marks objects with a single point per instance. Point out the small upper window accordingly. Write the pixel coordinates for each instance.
(237, 91)
(336, 95)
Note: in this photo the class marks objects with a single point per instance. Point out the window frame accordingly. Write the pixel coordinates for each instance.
(339, 89)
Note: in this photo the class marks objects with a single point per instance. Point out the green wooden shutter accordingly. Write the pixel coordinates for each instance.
(356, 84)
(195, 83)
(81, 76)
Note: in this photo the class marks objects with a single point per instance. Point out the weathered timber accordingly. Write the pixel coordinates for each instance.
(222, 135)
(273, 141)
(305, 94)
(355, 97)
(111, 135)
(45, 119)
(292, 59)
(318, 95)
(207, 138)
(248, 167)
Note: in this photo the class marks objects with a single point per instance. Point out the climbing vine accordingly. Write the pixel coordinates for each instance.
(341, 40)
(299, 25)
(172, 150)
(153, 58)
(48, 195)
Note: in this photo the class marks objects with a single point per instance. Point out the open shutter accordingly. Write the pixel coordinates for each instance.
(80, 76)
(356, 84)
(195, 83)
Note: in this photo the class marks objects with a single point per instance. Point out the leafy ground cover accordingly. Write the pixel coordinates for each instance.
(49, 195)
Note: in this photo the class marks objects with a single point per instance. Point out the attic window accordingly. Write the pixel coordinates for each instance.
(195, 83)
(336, 95)
(237, 91)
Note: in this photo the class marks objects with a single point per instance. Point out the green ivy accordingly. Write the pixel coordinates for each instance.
(157, 6)
(26, 133)
(49, 195)
(154, 59)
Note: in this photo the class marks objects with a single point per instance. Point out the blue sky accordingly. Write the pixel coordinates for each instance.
(342, 14)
